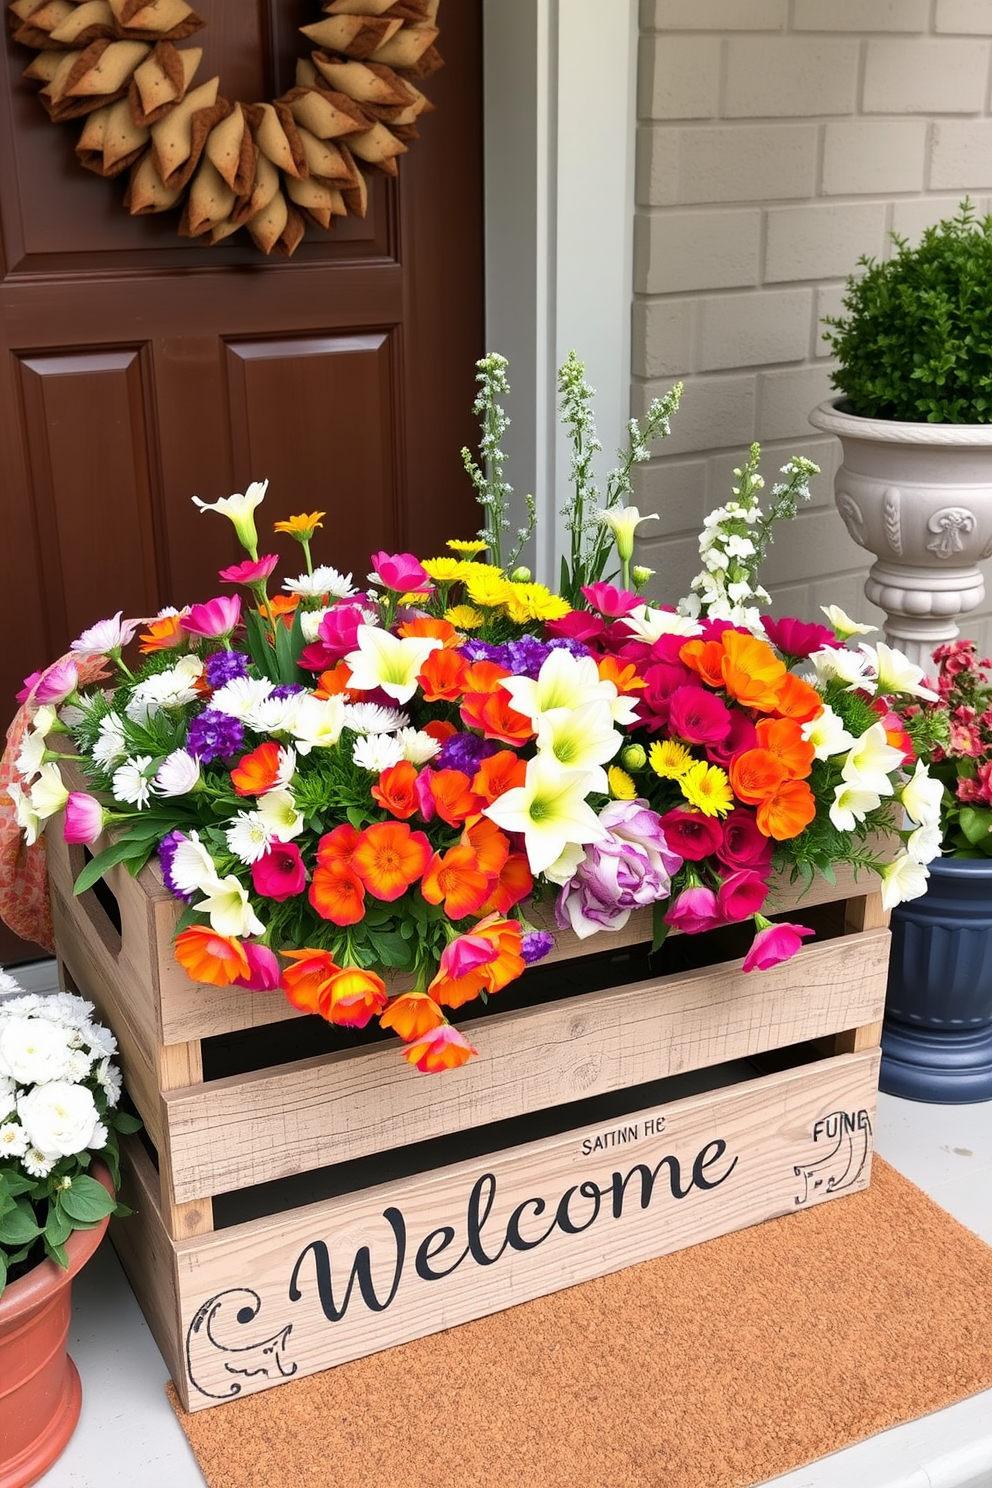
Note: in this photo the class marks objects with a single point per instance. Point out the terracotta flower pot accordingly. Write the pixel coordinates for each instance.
(40, 1393)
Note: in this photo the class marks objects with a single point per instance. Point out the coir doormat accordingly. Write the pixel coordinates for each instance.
(716, 1367)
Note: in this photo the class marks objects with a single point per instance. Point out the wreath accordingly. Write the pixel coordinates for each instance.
(268, 167)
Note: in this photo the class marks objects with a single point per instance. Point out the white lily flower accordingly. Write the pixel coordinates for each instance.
(894, 672)
(48, 794)
(837, 663)
(871, 761)
(851, 804)
(193, 870)
(842, 625)
(241, 510)
(623, 522)
(278, 811)
(550, 810)
(926, 843)
(25, 815)
(649, 624)
(566, 864)
(564, 681)
(388, 661)
(827, 734)
(902, 879)
(229, 910)
(921, 797)
(315, 723)
(580, 739)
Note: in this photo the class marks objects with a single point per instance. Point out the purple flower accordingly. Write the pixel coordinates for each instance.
(214, 735)
(226, 666)
(481, 651)
(166, 853)
(465, 752)
(525, 657)
(287, 689)
(535, 945)
(632, 867)
(569, 643)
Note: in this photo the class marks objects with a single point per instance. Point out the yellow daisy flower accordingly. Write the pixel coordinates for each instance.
(302, 527)
(473, 546)
(444, 570)
(464, 617)
(622, 788)
(415, 598)
(534, 602)
(486, 586)
(707, 787)
(669, 759)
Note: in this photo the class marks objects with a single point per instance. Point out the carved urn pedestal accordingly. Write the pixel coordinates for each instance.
(918, 496)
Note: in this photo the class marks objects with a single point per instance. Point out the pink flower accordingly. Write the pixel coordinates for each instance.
(741, 894)
(30, 683)
(337, 634)
(217, 617)
(279, 873)
(467, 954)
(400, 571)
(579, 625)
(56, 683)
(698, 716)
(83, 818)
(105, 636)
(663, 679)
(743, 845)
(742, 735)
(691, 834)
(696, 909)
(265, 970)
(774, 943)
(251, 571)
(797, 638)
(610, 601)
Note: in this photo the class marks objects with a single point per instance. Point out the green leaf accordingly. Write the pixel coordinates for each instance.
(125, 1123)
(58, 1226)
(659, 927)
(18, 1227)
(262, 654)
(87, 1200)
(97, 867)
(976, 824)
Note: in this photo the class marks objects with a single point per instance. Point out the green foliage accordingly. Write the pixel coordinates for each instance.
(916, 341)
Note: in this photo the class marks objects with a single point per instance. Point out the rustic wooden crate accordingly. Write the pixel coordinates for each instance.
(240, 1303)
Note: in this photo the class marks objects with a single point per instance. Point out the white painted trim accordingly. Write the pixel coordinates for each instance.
(560, 113)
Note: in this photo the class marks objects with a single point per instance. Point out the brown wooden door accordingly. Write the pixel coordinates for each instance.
(138, 368)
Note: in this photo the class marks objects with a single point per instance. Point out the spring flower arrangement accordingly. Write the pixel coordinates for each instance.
(352, 780)
(961, 754)
(58, 1096)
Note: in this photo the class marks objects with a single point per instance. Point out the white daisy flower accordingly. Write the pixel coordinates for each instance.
(376, 752)
(165, 691)
(109, 1078)
(238, 697)
(310, 624)
(371, 718)
(13, 1140)
(105, 636)
(79, 1064)
(110, 746)
(36, 1164)
(131, 784)
(417, 746)
(248, 837)
(178, 774)
(323, 580)
(101, 1040)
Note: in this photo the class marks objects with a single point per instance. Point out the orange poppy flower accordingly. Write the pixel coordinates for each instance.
(206, 956)
(411, 1015)
(334, 681)
(454, 799)
(706, 658)
(429, 625)
(440, 1049)
(164, 634)
(396, 789)
(495, 718)
(456, 878)
(490, 845)
(281, 607)
(514, 882)
(338, 846)
(443, 676)
(354, 996)
(784, 814)
(389, 858)
(256, 773)
(305, 983)
(624, 678)
(797, 699)
(756, 774)
(498, 774)
(783, 738)
(337, 893)
(504, 965)
(485, 676)
(439, 729)
(751, 671)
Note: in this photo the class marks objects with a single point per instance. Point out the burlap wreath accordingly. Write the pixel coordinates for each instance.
(268, 167)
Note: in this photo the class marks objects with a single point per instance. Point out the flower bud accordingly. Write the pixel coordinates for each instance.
(641, 575)
(521, 575)
(633, 757)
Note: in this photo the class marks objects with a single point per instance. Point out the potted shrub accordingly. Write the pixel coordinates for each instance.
(58, 1172)
(937, 1038)
(914, 416)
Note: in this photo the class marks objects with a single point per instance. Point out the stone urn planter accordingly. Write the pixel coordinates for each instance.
(937, 1034)
(918, 496)
(40, 1393)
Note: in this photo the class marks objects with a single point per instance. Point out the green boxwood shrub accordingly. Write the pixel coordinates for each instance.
(916, 341)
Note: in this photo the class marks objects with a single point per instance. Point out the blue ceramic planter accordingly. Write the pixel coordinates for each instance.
(937, 1035)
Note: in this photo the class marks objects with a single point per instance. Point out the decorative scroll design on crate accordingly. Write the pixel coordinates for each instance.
(841, 1166)
(208, 1357)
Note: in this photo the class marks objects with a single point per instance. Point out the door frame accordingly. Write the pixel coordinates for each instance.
(559, 119)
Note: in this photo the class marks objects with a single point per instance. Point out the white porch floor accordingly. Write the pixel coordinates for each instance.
(128, 1436)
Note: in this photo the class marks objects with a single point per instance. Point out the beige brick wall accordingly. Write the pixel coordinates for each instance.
(779, 140)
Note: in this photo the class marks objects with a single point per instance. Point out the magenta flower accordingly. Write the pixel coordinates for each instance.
(741, 894)
(265, 970)
(609, 601)
(696, 909)
(691, 834)
(698, 716)
(56, 682)
(251, 571)
(742, 735)
(797, 638)
(337, 634)
(400, 571)
(83, 818)
(30, 683)
(279, 873)
(216, 618)
(467, 954)
(654, 703)
(744, 845)
(774, 943)
(633, 866)
(579, 625)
